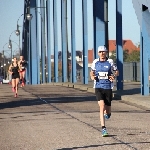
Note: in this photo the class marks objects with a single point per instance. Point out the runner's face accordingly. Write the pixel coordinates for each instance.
(15, 60)
(102, 54)
(21, 57)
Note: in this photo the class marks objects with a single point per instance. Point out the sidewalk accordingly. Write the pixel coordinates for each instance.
(131, 93)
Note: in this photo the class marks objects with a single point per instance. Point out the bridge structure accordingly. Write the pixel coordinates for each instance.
(41, 21)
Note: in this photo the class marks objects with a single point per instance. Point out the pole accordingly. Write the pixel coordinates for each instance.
(11, 54)
(19, 45)
(106, 25)
(67, 45)
(43, 40)
(4, 64)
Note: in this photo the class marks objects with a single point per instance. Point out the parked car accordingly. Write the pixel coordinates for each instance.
(5, 81)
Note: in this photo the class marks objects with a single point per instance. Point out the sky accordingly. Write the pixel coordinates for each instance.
(11, 10)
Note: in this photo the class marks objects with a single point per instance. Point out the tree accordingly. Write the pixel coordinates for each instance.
(134, 56)
(125, 55)
(113, 56)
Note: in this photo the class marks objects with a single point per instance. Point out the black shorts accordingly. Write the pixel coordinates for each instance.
(104, 94)
(15, 76)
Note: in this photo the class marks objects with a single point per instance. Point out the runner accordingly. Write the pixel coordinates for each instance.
(14, 71)
(22, 64)
(102, 75)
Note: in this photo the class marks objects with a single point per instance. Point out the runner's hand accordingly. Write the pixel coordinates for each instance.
(93, 77)
(111, 78)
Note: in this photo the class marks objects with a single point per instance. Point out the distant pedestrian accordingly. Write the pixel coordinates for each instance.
(101, 73)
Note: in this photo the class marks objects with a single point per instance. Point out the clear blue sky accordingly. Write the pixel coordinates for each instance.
(10, 11)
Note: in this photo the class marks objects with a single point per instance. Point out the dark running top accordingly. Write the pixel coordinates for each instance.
(23, 63)
(15, 69)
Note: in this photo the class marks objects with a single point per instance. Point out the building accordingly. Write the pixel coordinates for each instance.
(127, 45)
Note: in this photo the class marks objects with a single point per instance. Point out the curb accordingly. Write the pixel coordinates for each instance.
(123, 98)
(83, 88)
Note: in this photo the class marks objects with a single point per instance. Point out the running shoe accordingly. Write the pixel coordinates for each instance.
(107, 116)
(16, 95)
(13, 89)
(104, 132)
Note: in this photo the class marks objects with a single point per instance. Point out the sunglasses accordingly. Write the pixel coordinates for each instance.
(101, 51)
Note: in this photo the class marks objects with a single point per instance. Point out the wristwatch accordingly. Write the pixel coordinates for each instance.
(114, 76)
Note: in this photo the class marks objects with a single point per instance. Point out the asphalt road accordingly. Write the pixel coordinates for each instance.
(46, 117)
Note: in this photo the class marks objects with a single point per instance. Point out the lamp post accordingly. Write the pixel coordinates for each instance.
(4, 61)
(3, 64)
(10, 46)
(3, 56)
(18, 34)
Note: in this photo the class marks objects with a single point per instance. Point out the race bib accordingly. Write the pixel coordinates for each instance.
(103, 75)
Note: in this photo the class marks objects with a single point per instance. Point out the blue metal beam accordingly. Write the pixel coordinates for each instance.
(119, 49)
(85, 41)
(48, 7)
(55, 41)
(28, 59)
(145, 38)
(43, 44)
(141, 63)
(33, 51)
(25, 40)
(38, 43)
(64, 39)
(29, 55)
(99, 25)
(73, 43)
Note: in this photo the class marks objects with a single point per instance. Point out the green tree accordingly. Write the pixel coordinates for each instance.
(113, 56)
(134, 56)
(125, 55)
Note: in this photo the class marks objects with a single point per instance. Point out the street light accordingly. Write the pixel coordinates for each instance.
(18, 31)
(18, 34)
(28, 15)
(10, 46)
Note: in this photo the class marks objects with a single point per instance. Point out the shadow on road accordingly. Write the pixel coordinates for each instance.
(19, 103)
(101, 145)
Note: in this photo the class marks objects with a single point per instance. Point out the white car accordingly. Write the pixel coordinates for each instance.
(5, 81)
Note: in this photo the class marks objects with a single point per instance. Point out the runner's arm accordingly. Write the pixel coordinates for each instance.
(92, 72)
